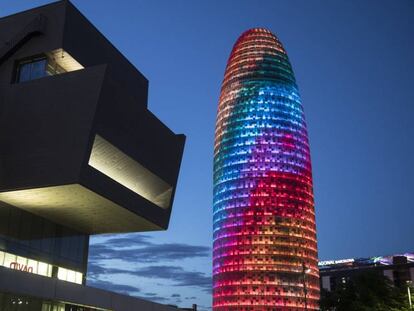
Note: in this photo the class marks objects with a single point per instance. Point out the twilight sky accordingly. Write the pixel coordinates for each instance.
(354, 65)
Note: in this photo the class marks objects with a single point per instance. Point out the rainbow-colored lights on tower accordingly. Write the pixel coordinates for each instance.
(265, 252)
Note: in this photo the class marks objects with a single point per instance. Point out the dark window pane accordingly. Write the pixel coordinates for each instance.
(30, 70)
(38, 69)
(48, 237)
(14, 224)
(24, 72)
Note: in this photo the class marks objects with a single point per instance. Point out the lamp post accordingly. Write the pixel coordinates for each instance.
(409, 294)
(305, 289)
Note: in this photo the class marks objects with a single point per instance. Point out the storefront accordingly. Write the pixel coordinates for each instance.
(20, 263)
(12, 302)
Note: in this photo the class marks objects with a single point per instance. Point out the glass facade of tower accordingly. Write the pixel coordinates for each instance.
(265, 251)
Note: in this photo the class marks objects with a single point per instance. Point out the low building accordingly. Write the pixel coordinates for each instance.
(80, 154)
(193, 308)
(398, 268)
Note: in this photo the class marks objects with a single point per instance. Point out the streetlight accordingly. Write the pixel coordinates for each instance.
(305, 271)
(409, 294)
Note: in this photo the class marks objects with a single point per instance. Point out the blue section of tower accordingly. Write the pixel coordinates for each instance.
(266, 111)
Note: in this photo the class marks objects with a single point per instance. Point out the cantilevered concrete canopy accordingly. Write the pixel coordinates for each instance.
(78, 208)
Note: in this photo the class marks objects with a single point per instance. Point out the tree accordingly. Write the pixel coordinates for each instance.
(367, 291)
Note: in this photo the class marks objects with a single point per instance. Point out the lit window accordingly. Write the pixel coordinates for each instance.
(79, 277)
(37, 267)
(9, 259)
(49, 64)
(43, 269)
(33, 264)
(62, 274)
(38, 68)
(71, 276)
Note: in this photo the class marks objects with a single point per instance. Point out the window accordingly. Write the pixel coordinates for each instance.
(31, 69)
(12, 261)
(49, 64)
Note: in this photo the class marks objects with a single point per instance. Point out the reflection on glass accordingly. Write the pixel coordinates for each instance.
(41, 237)
(24, 72)
(33, 69)
(38, 69)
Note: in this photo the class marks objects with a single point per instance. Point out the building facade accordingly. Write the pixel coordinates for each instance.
(265, 250)
(80, 154)
(398, 268)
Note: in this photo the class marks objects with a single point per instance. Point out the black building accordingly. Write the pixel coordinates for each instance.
(80, 154)
(398, 268)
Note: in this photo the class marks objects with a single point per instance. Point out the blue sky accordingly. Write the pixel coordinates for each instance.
(354, 65)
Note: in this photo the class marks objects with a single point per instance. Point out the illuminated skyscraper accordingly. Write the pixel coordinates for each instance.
(265, 251)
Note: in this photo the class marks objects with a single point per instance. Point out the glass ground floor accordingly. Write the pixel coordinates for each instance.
(13, 302)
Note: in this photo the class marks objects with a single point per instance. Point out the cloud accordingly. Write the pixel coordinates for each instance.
(138, 248)
(95, 271)
(145, 259)
(176, 274)
(128, 240)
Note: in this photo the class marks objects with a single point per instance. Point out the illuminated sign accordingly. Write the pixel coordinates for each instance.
(380, 260)
(23, 264)
(21, 267)
(335, 262)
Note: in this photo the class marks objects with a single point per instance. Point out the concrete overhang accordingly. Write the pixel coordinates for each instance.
(79, 208)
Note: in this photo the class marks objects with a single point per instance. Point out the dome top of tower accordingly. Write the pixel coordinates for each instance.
(258, 55)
